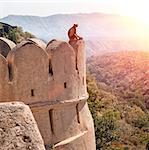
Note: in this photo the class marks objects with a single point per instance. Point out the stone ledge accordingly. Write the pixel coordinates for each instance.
(56, 103)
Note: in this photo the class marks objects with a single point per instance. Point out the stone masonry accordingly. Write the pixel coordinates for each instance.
(18, 129)
(51, 79)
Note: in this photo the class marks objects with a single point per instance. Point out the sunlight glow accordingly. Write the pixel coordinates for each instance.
(137, 9)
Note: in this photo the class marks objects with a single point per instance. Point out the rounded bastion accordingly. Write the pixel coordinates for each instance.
(51, 79)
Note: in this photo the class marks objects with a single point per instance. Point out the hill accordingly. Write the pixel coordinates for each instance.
(13, 33)
(102, 32)
(125, 72)
(119, 94)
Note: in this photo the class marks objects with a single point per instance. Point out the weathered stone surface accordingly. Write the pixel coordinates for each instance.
(30, 66)
(5, 46)
(79, 48)
(38, 42)
(53, 82)
(4, 89)
(69, 126)
(18, 129)
(63, 64)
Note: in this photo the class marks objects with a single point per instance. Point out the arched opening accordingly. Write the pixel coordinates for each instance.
(65, 85)
(51, 120)
(50, 68)
(77, 111)
(32, 93)
(10, 72)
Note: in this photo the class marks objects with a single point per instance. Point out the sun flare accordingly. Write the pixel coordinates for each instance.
(137, 9)
(143, 17)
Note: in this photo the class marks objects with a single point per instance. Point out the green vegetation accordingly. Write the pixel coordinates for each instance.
(118, 88)
(15, 34)
(118, 104)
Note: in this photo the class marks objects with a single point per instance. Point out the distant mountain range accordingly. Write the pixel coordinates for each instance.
(102, 32)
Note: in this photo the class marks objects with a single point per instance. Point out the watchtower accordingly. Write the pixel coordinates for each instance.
(51, 79)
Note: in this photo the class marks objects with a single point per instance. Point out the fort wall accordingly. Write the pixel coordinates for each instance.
(51, 79)
(5, 46)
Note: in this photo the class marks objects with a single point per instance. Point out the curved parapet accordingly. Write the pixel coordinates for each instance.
(52, 81)
(5, 46)
(29, 66)
(62, 58)
(87, 123)
(79, 48)
(4, 89)
(84, 137)
(38, 42)
(66, 125)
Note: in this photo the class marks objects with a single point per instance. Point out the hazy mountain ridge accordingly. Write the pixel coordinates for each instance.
(98, 29)
(100, 46)
(91, 25)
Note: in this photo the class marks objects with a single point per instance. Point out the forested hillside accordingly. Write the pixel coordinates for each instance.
(13, 33)
(118, 87)
(125, 72)
(119, 94)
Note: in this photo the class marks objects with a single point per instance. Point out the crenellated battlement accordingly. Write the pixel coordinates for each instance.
(35, 71)
(51, 79)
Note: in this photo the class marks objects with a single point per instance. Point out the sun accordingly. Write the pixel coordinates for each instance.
(143, 17)
(137, 9)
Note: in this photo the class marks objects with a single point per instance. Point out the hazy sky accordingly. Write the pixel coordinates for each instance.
(138, 8)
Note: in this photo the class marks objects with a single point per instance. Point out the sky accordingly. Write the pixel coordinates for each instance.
(135, 8)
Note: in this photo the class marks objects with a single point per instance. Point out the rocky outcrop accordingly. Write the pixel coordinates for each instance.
(18, 129)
